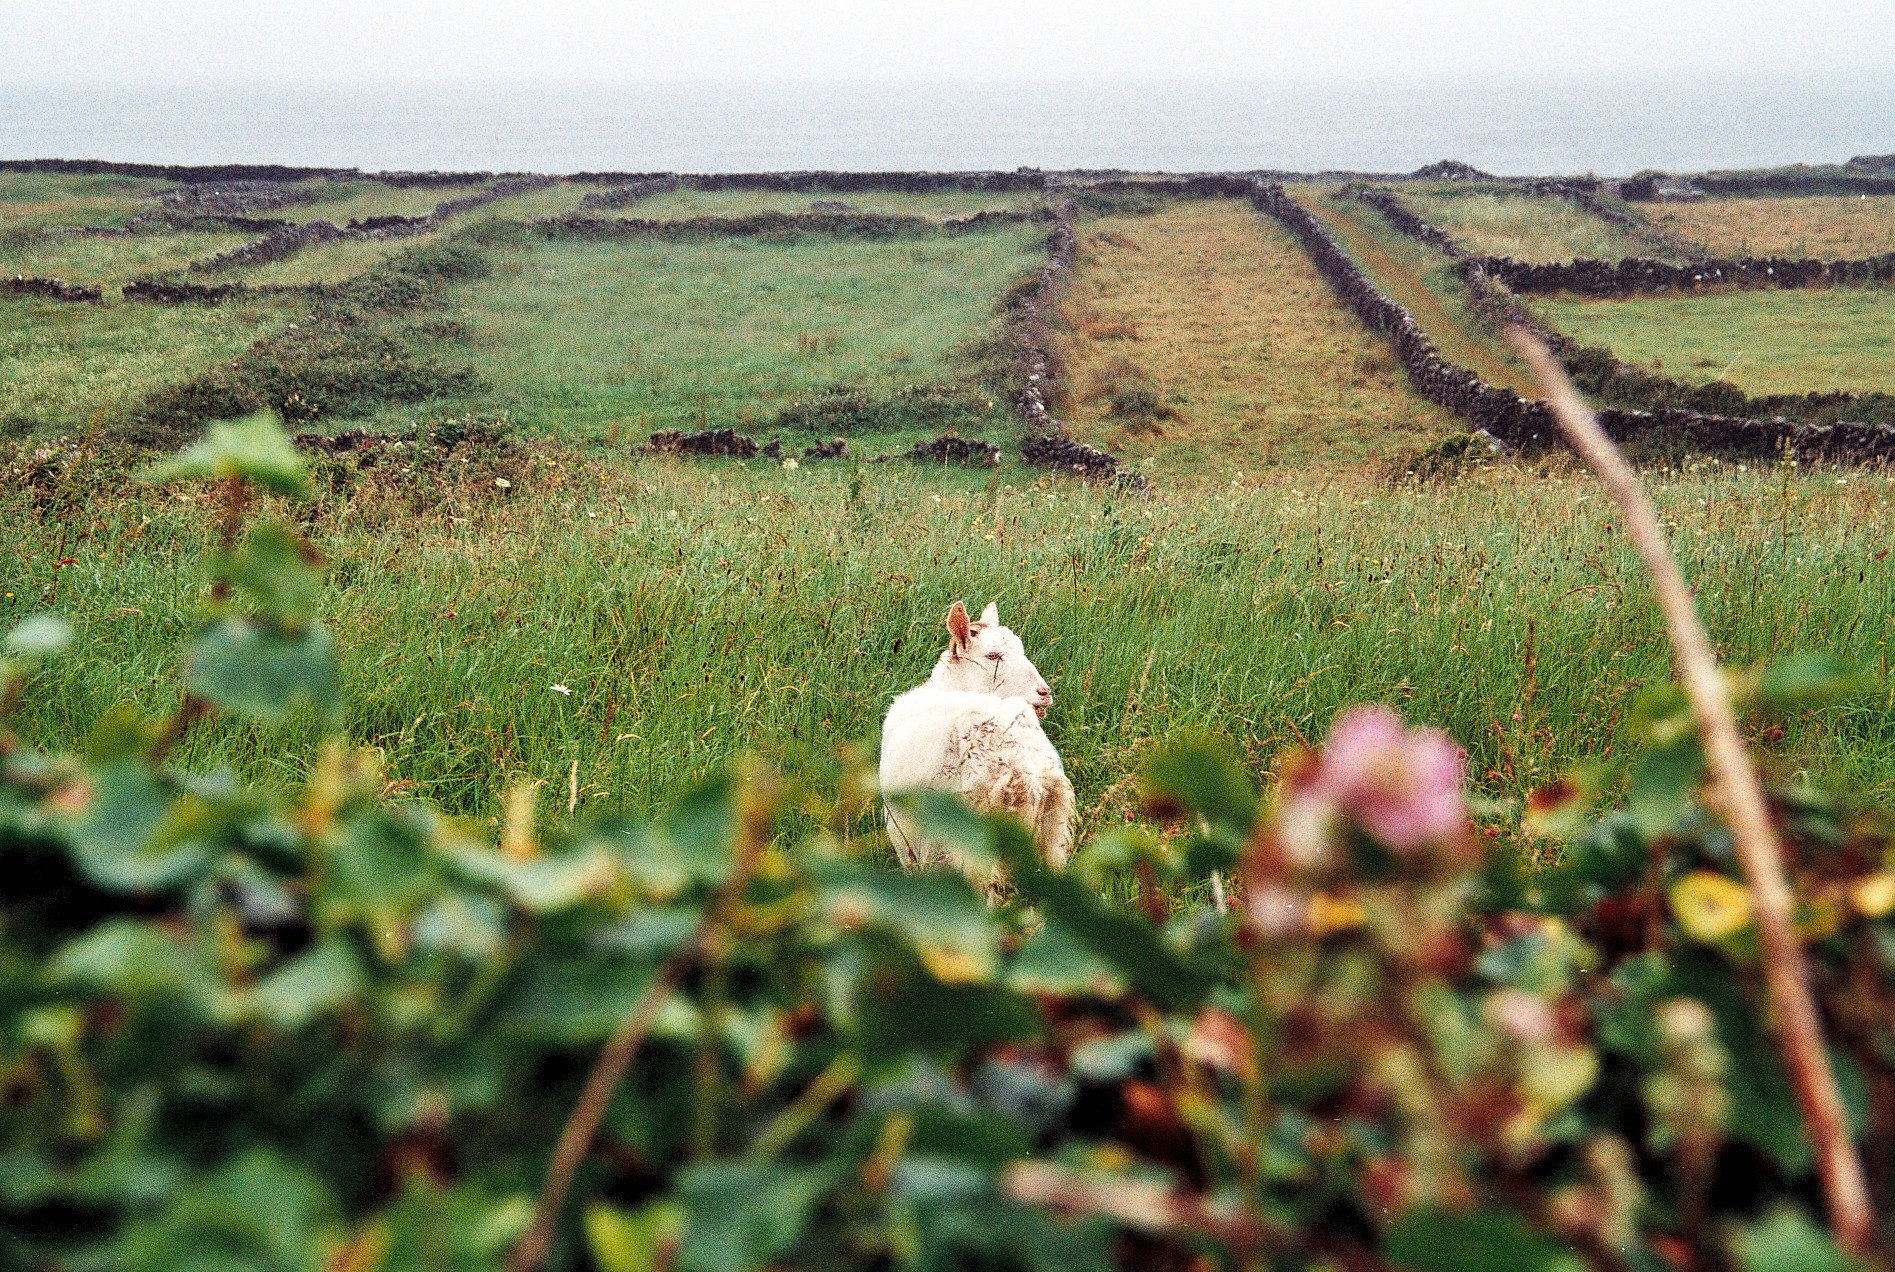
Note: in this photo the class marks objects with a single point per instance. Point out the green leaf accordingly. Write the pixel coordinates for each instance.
(936, 912)
(574, 998)
(632, 1240)
(1199, 776)
(254, 448)
(897, 1008)
(1054, 961)
(948, 820)
(1786, 1241)
(741, 1216)
(118, 841)
(38, 636)
(1664, 785)
(320, 979)
(137, 959)
(259, 1213)
(1425, 1239)
(1121, 940)
(256, 670)
(279, 572)
(543, 884)
(1801, 681)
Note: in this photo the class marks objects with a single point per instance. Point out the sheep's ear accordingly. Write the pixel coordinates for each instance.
(959, 631)
(991, 615)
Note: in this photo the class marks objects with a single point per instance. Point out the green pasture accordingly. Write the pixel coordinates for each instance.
(675, 205)
(587, 338)
(1808, 340)
(111, 262)
(344, 201)
(41, 200)
(1498, 223)
(62, 366)
(647, 620)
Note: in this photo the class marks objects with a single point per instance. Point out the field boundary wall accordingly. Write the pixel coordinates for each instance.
(52, 289)
(1517, 422)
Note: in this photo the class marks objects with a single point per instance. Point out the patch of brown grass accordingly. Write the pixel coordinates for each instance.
(1244, 357)
(1827, 227)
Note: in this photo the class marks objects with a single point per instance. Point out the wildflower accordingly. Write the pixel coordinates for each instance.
(1401, 785)
(503, 483)
(1710, 906)
(561, 689)
(791, 465)
(1873, 896)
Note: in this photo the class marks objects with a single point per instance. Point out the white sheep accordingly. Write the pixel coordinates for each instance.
(974, 728)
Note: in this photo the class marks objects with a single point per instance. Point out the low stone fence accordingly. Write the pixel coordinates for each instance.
(52, 289)
(869, 225)
(154, 291)
(1516, 422)
(626, 193)
(1639, 275)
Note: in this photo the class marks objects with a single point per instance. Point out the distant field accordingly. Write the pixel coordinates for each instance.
(1423, 280)
(62, 364)
(1827, 227)
(1761, 341)
(1492, 223)
(577, 337)
(37, 200)
(679, 204)
(110, 262)
(326, 262)
(1244, 355)
(343, 201)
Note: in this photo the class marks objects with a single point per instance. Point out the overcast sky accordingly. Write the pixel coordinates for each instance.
(183, 41)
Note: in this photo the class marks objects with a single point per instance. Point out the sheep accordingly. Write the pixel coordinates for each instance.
(974, 729)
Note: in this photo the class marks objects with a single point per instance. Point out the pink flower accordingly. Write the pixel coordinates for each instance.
(1401, 785)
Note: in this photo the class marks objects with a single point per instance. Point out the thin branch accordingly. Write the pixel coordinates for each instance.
(1786, 976)
(1146, 1206)
(582, 1125)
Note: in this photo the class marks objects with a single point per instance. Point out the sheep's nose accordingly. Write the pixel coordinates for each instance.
(1046, 695)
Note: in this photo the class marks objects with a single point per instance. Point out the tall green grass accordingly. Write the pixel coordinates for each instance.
(111, 262)
(1496, 223)
(695, 611)
(38, 200)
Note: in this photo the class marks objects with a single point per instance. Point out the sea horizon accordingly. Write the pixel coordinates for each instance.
(1510, 124)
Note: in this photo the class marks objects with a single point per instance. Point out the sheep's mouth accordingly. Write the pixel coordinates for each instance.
(1039, 709)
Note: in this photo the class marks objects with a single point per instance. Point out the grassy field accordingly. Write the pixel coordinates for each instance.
(1203, 342)
(699, 610)
(1422, 280)
(1828, 227)
(343, 201)
(580, 338)
(111, 262)
(1495, 223)
(63, 365)
(680, 204)
(37, 200)
(1761, 341)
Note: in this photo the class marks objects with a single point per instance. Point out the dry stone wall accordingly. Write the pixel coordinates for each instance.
(1516, 422)
(52, 289)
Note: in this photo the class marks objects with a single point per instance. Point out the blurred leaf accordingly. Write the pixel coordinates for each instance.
(572, 999)
(1786, 1241)
(936, 912)
(243, 666)
(259, 1213)
(254, 448)
(464, 923)
(139, 959)
(1709, 906)
(1121, 940)
(1801, 681)
(38, 636)
(898, 1008)
(1053, 961)
(1424, 1239)
(543, 884)
(741, 1216)
(980, 1138)
(1661, 715)
(1199, 776)
(946, 818)
(118, 840)
(278, 572)
(633, 1240)
(315, 981)
(1664, 785)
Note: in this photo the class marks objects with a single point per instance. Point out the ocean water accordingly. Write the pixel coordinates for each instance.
(1611, 127)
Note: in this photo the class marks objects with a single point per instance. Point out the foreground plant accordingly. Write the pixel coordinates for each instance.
(320, 1027)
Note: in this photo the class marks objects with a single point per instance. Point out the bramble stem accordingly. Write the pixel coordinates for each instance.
(1786, 976)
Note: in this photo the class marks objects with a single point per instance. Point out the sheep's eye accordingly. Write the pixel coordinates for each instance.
(996, 656)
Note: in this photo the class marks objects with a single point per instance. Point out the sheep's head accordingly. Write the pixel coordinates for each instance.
(984, 657)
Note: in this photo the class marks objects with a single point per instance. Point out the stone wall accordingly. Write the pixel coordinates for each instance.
(1516, 422)
(52, 289)
(626, 193)
(870, 225)
(1637, 275)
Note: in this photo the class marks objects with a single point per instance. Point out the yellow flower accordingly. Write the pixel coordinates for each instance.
(1329, 915)
(1710, 906)
(1874, 895)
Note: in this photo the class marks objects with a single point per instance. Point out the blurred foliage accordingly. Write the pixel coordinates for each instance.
(319, 1027)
